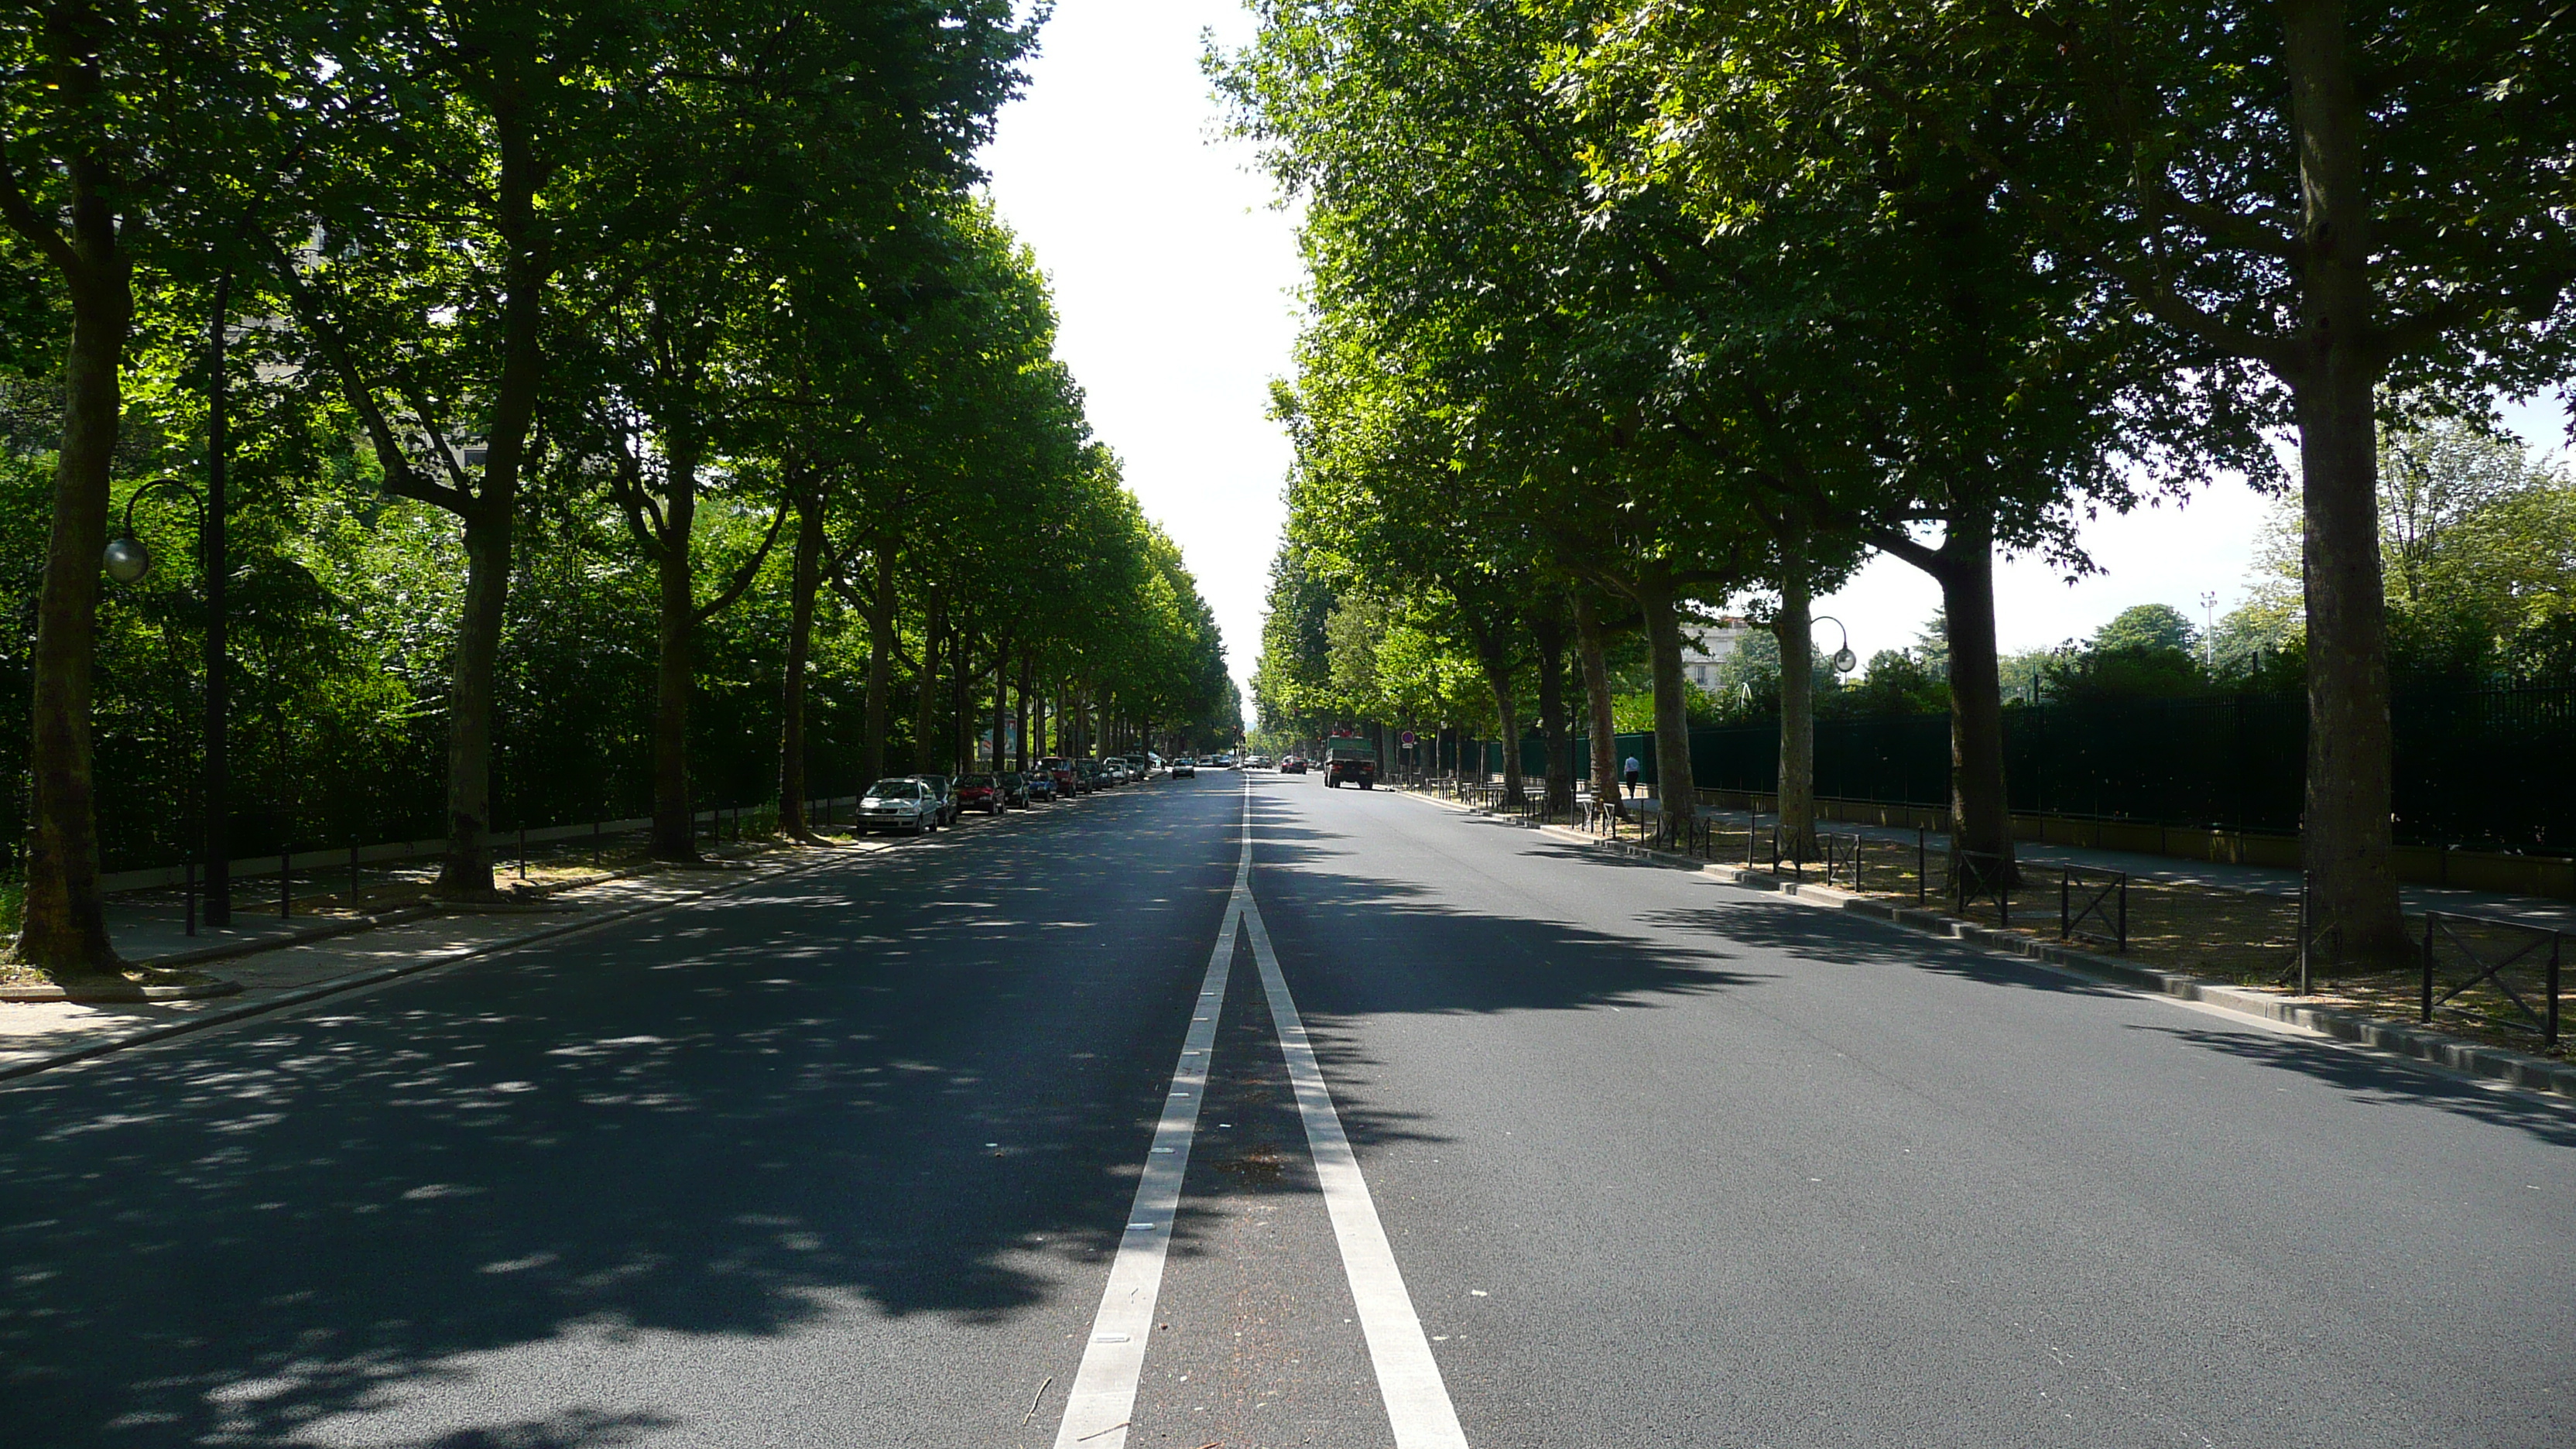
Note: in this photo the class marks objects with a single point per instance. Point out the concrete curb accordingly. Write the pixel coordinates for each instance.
(306, 994)
(2469, 1058)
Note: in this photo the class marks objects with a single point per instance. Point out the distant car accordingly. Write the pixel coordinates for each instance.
(980, 792)
(942, 788)
(900, 804)
(1016, 793)
(1040, 786)
(1060, 770)
(1225, 762)
(1293, 765)
(1185, 768)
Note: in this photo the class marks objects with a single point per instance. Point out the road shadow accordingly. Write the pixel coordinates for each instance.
(2382, 1080)
(921, 1081)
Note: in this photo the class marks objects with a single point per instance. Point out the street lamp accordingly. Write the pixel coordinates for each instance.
(1844, 660)
(129, 560)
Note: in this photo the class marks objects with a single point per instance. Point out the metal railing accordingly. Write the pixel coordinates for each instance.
(1977, 875)
(1843, 857)
(2541, 946)
(2090, 897)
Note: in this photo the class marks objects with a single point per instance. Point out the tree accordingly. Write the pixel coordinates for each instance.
(2318, 199)
(112, 111)
(2148, 628)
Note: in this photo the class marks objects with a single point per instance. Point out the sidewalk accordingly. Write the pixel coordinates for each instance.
(317, 955)
(2355, 1010)
(2541, 911)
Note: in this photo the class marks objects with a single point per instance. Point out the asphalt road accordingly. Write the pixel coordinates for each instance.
(847, 1161)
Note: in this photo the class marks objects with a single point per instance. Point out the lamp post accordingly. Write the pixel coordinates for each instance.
(2208, 634)
(129, 560)
(1844, 660)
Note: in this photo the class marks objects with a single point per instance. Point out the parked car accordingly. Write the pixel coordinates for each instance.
(1293, 765)
(980, 792)
(902, 804)
(1015, 790)
(943, 789)
(1060, 770)
(1185, 768)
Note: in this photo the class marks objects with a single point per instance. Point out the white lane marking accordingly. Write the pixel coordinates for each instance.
(1102, 1398)
(1408, 1377)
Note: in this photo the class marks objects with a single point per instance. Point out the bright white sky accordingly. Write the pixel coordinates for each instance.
(1174, 275)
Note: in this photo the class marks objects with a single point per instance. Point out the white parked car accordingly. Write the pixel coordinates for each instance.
(902, 805)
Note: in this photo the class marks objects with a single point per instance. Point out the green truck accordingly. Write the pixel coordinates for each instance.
(1348, 761)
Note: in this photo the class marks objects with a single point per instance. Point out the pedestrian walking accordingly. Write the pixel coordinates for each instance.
(1632, 770)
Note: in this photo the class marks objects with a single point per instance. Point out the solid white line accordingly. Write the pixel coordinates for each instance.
(1101, 1405)
(1102, 1400)
(1408, 1377)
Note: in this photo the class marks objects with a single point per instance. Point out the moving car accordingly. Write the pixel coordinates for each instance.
(980, 792)
(1350, 762)
(1184, 769)
(1225, 762)
(1293, 765)
(899, 804)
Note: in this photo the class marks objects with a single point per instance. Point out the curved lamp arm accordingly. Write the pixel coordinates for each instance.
(128, 560)
(1844, 661)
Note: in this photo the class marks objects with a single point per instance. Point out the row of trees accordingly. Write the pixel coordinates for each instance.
(494, 335)
(1623, 307)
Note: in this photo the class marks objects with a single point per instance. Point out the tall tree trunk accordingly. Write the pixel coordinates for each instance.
(466, 872)
(792, 787)
(961, 710)
(1001, 701)
(1593, 646)
(1028, 678)
(1980, 810)
(924, 746)
(63, 926)
(215, 802)
(2346, 837)
(1661, 604)
(1795, 631)
(1496, 658)
(1558, 796)
(880, 661)
(674, 813)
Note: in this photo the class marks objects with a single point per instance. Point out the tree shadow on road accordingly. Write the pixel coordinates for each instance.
(2383, 1080)
(921, 1083)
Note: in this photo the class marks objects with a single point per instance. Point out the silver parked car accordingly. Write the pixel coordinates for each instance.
(905, 805)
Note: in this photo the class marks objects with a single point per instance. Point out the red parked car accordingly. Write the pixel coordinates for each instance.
(980, 792)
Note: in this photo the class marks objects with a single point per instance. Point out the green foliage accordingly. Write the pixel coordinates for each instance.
(726, 228)
(2147, 629)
